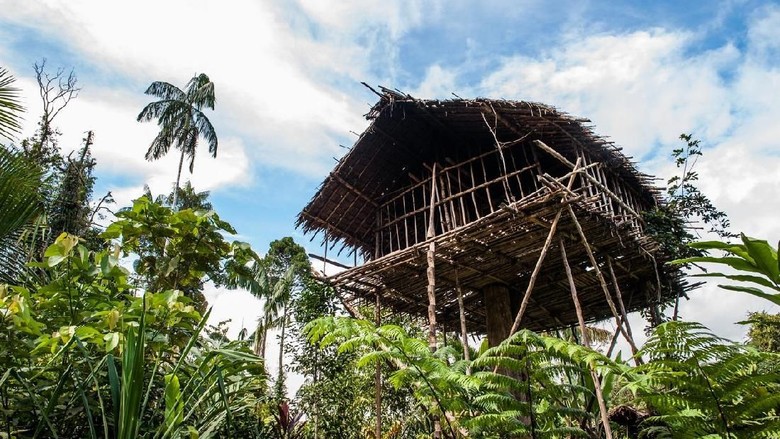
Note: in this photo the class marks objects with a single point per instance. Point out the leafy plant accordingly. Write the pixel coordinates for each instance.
(10, 106)
(84, 355)
(529, 385)
(754, 259)
(698, 385)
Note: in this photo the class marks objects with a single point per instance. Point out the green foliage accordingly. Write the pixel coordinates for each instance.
(754, 259)
(180, 250)
(764, 332)
(181, 120)
(684, 203)
(698, 384)
(186, 198)
(70, 211)
(84, 355)
(10, 105)
(528, 385)
(334, 393)
(20, 197)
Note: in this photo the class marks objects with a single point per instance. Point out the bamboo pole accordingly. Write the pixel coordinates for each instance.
(542, 255)
(462, 314)
(600, 276)
(586, 342)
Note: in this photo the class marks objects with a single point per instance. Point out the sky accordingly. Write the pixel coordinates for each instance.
(290, 102)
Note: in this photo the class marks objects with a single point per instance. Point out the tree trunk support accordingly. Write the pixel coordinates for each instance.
(586, 342)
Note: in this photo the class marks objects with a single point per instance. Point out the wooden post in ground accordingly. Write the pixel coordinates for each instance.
(462, 314)
(378, 375)
(431, 273)
(619, 297)
(586, 342)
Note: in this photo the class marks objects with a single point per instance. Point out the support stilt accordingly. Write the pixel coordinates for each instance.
(619, 297)
(431, 273)
(600, 276)
(463, 332)
(586, 343)
(542, 255)
(378, 376)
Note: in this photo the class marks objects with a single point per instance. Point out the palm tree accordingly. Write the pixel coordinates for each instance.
(181, 120)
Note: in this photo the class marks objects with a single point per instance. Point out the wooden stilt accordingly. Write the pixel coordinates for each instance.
(431, 273)
(600, 276)
(463, 332)
(619, 297)
(542, 255)
(586, 342)
(378, 375)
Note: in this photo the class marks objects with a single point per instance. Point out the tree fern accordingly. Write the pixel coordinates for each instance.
(699, 384)
(529, 385)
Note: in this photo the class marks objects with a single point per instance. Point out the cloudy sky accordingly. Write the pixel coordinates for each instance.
(288, 75)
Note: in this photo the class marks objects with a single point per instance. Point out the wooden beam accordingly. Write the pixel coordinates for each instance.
(354, 190)
(600, 276)
(590, 178)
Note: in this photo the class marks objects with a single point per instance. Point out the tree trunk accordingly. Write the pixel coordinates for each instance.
(280, 379)
(178, 180)
(498, 312)
(499, 322)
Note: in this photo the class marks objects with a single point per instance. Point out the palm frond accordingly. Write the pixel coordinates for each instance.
(20, 196)
(10, 105)
(165, 91)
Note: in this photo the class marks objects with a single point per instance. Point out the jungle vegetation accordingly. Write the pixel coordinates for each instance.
(105, 329)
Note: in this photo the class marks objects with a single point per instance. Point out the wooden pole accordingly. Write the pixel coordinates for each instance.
(378, 376)
(463, 332)
(590, 178)
(600, 276)
(586, 342)
(542, 255)
(622, 306)
(431, 272)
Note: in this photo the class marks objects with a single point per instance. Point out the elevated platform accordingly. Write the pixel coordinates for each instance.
(503, 248)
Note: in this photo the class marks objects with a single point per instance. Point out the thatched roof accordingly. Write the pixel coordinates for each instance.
(407, 134)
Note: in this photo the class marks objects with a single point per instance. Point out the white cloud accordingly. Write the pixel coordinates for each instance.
(276, 101)
(640, 88)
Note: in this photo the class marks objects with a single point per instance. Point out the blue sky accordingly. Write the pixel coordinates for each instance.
(288, 76)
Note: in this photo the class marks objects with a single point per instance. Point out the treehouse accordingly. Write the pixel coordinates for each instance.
(490, 214)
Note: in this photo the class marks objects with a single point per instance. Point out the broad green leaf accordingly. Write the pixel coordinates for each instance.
(741, 278)
(112, 341)
(174, 405)
(732, 261)
(764, 255)
(774, 298)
